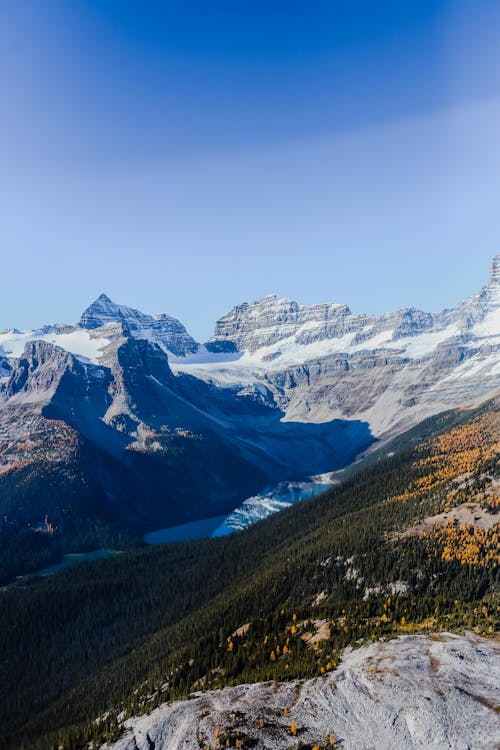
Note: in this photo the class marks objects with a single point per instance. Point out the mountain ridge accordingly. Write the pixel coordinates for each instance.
(306, 397)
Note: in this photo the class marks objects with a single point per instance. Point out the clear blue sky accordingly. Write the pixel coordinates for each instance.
(185, 156)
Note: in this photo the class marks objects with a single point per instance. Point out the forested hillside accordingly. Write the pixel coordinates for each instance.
(407, 542)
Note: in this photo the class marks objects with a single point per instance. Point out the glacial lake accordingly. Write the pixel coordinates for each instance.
(185, 531)
(75, 559)
(268, 502)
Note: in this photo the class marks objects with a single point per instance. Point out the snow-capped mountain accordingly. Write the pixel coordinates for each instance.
(278, 329)
(100, 324)
(322, 362)
(167, 431)
(168, 332)
(266, 322)
(274, 329)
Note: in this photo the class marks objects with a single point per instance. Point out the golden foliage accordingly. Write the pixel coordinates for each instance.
(469, 544)
(456, 455)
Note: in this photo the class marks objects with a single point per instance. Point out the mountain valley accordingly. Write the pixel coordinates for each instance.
(135, 426)
(406, 544)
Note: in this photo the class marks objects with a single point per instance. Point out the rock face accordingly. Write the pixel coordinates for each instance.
(322, 362)
(162, 329)
(493, 286)
(250, 327)
(266, 322)
(417, 691)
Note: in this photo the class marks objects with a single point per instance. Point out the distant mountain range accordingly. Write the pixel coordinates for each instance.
(127, 414)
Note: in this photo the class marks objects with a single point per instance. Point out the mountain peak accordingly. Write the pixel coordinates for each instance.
(102, 310)
(265, 322)
(39, 369)
(162, 329)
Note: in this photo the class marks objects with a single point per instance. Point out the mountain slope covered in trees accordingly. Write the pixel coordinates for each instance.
(373, 557)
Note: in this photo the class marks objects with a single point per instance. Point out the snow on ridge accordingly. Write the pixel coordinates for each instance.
(162, 329)
(490, 326)
(245, 368)
(77, 341)
(204, 356)
(85, 344)
(287, 352)
(489, 364)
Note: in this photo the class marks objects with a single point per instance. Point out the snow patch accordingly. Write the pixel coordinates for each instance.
(78, 341)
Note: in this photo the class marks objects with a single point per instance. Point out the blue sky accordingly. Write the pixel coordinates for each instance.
(186, 156)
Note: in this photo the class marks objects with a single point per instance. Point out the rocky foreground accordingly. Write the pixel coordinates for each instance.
(417, 691)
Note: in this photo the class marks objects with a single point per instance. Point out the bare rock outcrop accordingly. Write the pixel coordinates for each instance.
(437, 691)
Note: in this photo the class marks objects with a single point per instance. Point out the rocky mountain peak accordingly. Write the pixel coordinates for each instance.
(103, 311)
(39, 370)
(164, 330)
(275, 322)
(264, 322)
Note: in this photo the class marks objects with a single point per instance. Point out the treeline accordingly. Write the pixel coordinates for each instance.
(127, 633)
